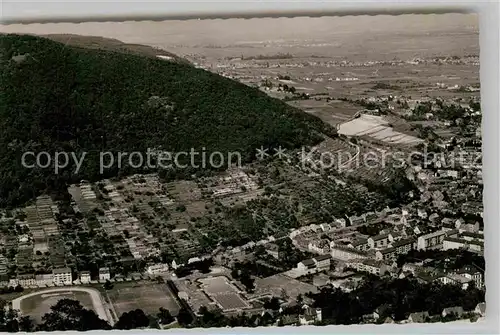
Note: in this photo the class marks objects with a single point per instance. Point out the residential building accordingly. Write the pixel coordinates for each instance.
(410, 267)
(341, 222)
(473, 274)
(368, 265)
(461, 243)
(157, 269)
(322, 262)
(310, 315)
(458, 311)
(62, 276)
(455, 279)
(104, 274)
(480, 309)
(307, 266)
(422, 213)
(468, 236)
(419, 317)
(325, 227)
(476, 246)
(431, 241)
(360, 244)
(381, 310)
(378, 241)
(357, 220)
(454, 243)
(321, 247)
(26, 280)
(395, 236)
(467, 227)
(419, 230)
(85, 277)
(404, 246)
(452, 232)
(44, 279)
(387, 255)
(345, 254)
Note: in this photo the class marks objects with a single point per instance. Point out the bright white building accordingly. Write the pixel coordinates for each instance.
(104, 274)
(85, 277)
(431, 241)
(157, 269)
(62, 276)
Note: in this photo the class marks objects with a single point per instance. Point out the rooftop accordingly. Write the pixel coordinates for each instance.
(473, 235)
(379, 237)
(434, 234)
(404, 242)
(387, 250)
(308, 262)
(61, 270)
(322, 258)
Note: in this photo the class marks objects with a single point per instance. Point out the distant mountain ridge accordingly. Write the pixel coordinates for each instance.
(57, 97)
(111, 44)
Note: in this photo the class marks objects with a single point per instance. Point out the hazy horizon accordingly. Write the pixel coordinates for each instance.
(409, 34)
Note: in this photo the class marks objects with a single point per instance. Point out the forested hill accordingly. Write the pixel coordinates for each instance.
(111, 44)
(56, 97)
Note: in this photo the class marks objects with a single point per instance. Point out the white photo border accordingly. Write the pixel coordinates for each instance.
(16, 11)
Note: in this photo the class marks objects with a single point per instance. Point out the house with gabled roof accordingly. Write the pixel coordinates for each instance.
(378, 241)
(480, 309)
(457, 310)
(418, 317)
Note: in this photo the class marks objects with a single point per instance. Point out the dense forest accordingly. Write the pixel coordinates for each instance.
(56, 98)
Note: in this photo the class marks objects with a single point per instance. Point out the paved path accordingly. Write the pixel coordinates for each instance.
(94, 295)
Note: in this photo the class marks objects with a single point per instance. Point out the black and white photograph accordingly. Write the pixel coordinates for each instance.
(241, 172)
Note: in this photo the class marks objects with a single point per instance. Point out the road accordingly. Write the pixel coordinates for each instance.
(95, 296)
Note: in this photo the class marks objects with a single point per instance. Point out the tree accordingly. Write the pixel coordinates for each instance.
(273, 303)
(68, 314)
(184, 317)
(108, 285)
(8, 320)
(132, 320)
(26, 324)
(164, 316)
(300, 299)
(247, 280)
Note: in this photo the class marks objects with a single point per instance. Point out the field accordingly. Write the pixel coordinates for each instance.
(376, 127)
(36, 306)
(279, 285)
(149, 297)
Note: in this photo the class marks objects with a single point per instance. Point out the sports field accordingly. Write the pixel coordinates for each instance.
(147, 296)
(38, 305)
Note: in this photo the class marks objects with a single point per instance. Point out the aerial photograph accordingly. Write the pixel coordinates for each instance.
(262, 172)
